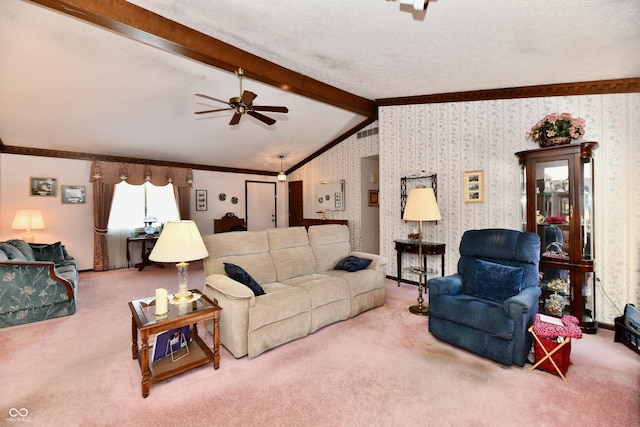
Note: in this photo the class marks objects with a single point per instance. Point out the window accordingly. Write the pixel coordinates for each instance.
(131, 203)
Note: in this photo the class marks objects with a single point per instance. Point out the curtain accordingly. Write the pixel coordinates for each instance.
(102, 198)
(183, 201)
(105, 175)
(117, 242)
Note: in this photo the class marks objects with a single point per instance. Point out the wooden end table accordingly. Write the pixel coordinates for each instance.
(146, 323)
(409, 246)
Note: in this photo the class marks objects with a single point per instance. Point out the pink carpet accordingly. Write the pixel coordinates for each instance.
(380, 368)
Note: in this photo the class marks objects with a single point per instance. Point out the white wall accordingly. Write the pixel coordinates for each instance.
(73, 224)
(70, 224)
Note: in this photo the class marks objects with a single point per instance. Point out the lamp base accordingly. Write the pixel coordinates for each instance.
(419, 309)
(182, 296)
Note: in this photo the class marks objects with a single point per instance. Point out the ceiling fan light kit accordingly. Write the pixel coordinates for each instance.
(244, 104)
(417, 4)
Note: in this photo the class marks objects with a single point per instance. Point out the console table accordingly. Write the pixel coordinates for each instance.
(144, 255)
(409, 246)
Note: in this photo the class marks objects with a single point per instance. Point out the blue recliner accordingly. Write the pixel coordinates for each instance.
(487, 307)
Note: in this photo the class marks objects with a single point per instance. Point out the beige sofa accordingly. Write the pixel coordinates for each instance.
(303, 292)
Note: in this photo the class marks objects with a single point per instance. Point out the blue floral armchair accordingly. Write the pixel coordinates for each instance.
(37, 282)
(487, 307)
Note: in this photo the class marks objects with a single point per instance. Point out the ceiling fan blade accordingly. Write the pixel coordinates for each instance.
(235, 119)
(270, 108)
(261, 117)
(213, 111)
(211, 98)
(247, 97)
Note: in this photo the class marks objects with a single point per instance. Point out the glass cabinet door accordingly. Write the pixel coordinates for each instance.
(553, 207)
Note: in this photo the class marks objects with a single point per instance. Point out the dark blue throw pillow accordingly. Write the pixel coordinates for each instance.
(352, 263)
(239, 275)
(497, 282)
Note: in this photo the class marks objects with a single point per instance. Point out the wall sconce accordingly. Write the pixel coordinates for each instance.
(28, 219)
(282, 177)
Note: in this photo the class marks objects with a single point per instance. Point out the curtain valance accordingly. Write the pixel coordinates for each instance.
(137, 174)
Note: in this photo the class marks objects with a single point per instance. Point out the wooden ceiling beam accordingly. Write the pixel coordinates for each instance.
(147, 27)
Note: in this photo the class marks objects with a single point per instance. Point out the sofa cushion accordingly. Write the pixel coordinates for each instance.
(322, 289)
(239, 275)
(497, 282)
(352, 263)
(12, 253)
(273, 307)
(24, 248)
(290, 252)
(330, 244)
(52, 252)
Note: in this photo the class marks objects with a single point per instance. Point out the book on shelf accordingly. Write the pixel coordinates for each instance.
(171, 342)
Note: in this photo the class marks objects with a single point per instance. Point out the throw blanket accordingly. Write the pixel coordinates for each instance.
(549, 330)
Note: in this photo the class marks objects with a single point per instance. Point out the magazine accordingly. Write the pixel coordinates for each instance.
(170, 342)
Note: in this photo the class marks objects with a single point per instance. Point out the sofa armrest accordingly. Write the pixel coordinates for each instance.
(230, 288)
(378, 262)
(33, 283)
(236, 301)
(447, 285)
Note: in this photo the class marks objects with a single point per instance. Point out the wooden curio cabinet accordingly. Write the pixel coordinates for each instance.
(557, 203)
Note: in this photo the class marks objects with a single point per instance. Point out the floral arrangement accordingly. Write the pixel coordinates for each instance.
(557, 125)
(413, 236)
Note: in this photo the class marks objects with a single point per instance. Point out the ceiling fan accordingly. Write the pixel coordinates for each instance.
(244, 104)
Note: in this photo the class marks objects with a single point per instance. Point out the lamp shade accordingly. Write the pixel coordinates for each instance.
(421, 205)
(180, 241)
(28, 219)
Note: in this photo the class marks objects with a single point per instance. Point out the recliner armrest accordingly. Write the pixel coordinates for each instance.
(447, 285)
(523, 302)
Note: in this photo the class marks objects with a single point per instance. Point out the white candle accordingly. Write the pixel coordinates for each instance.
(161, 301)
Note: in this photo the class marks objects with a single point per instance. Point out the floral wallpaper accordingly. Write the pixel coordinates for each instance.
(451, 138)
(340, 162)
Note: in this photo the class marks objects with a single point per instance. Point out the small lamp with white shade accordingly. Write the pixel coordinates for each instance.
(28, 219)
(181, 242)
(421, 206)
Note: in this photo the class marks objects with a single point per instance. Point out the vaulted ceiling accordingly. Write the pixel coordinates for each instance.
(118, 78)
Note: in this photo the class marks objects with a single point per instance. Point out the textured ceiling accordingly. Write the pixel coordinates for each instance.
(69, 85)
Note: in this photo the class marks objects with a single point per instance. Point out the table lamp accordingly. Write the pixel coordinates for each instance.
(180, 242)
(28, 219)
(421, 206)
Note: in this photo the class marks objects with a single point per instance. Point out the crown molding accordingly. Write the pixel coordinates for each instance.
(42, 152)
(562, 89)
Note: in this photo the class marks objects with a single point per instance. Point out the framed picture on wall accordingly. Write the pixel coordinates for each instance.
(201, 200)
(42, 186)
(72, 194)
(473, 187)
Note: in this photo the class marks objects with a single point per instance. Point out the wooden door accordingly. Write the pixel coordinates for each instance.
(296, 211)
